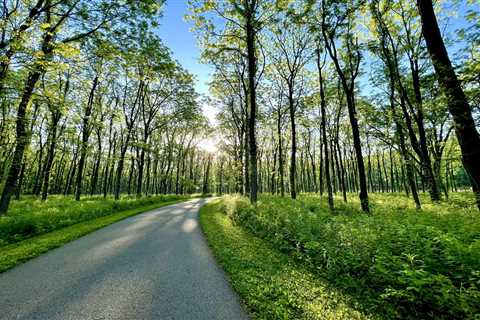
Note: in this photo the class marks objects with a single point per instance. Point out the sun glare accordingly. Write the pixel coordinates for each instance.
(209, 145)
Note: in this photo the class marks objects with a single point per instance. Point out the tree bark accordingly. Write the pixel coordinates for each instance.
(293, 156)
(326, 159)
(85, 136)
(21, 140)
(50, 156)
(280, 152)
(252, 70)
(458, 106)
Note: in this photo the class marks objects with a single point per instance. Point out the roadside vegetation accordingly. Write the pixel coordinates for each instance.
(271, 284)
(397, 263)
(32, 217)
(33, 227)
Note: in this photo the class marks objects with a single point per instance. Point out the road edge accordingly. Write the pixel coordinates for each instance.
(15, 254)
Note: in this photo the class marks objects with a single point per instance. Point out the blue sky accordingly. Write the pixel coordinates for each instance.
(175, 32)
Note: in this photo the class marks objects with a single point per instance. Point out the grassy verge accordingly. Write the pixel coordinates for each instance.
(398, 263)
(16, 253)
(31, 216)
(271, 284)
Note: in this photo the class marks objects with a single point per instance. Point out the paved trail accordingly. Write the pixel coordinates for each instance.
(156, 265)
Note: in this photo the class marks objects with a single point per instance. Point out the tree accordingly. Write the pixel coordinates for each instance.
(458, 106)
(340, 18)
(242, 21)
(56, 108)
(57, 16)
(291, 43)
(323, 103)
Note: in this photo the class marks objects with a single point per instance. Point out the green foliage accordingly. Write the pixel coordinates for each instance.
(398, 262)
(271, 284)
(16, 253)
(32, 217)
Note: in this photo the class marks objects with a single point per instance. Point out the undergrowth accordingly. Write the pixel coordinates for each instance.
(271, 284)
(32, 217)
(398, 262)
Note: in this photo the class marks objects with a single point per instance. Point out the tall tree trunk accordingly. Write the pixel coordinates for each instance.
(71, 175)
(147, 178)
(120, 165)
(141, 166)
(312, 161)
(18, 190)
(220, 182)
(403, 149)
(326, 159)
(369, 164)
(274, 167)
(342, 172)
(109, 166)
(321, 164)
(392, 177)
(280, 152)
(206, 176)
(50, 156)
(422, 136)
(252, 89)
(21, 140)
(333, 175)
(131, 171)
(458, 106)
(358, 151)
(348, 84)
(293, 156)
(85, 136)
(37, 187)
(106, 170)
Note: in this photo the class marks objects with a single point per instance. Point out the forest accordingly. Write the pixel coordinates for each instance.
(93, 103)
(349, 97)
(346, 137)
(352, 129)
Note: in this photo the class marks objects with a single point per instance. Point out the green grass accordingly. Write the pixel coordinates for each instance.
(32, 217)
(398, 263)
(21, 251)
(271, 284)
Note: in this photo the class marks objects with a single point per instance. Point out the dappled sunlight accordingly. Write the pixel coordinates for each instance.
(112, 247)
(189, 225)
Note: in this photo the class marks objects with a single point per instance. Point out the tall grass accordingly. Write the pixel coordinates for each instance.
(31, 216)
(397, 262)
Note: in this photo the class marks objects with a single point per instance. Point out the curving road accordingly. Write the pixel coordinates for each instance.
(156, 265)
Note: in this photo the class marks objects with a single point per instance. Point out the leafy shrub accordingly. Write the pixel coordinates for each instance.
(398, 262)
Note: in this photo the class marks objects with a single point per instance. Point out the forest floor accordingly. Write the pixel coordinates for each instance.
(296, 260)
(33, 227)
(156, 265)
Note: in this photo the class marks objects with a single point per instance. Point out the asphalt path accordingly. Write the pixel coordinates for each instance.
(156, 265)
